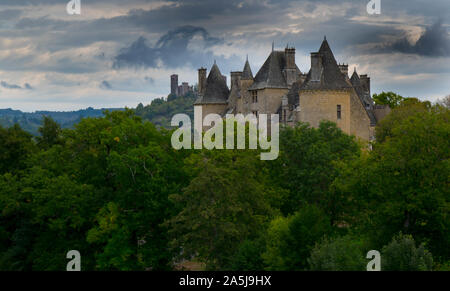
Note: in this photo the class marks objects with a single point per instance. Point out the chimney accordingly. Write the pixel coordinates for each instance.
(235, 78)
(201, 80)
(316, 66)
(365, 82)
(290, 57)
(344, 70)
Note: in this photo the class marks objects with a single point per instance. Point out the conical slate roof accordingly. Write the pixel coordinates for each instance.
(271, 73)
(216, 90)
(247, 72)
(332, 77)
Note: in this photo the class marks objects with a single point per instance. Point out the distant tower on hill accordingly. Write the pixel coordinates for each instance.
(174, 84)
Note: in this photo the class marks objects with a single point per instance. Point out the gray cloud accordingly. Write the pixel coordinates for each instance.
(10, 14)
(434, 42)
(9, 86)
(105, 85)
(172, 49)
(150, 80)
(14, 86)
(63, 49)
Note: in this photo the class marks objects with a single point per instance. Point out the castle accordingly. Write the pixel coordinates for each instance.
(180, 90)
(325, 93)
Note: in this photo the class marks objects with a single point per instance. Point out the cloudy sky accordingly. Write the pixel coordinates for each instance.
(120, 53)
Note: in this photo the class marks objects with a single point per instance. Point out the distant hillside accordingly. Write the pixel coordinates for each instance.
(32, 121)
(160, 111)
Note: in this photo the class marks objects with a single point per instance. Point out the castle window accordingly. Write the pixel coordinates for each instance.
(339, 112)
(255, 96)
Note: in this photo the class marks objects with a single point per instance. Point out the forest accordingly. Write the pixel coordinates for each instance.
(113, 188)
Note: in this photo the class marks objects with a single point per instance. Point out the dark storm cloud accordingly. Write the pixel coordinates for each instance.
(172, 49)
(434, 42)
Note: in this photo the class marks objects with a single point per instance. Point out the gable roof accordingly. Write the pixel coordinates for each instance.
(216, 90)
(331, 77)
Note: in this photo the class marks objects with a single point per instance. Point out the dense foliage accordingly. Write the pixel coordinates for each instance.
(114, 189)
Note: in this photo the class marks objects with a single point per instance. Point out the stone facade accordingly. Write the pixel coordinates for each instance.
(326, 92)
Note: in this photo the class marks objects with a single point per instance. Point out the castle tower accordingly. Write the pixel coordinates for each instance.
(174, 84)
(214, 95)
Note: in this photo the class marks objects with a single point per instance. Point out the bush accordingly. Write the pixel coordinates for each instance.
(401, 254)
(338, 254)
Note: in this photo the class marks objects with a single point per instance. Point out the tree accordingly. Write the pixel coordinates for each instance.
(104, 192)
(337, 254)
(399, 114)
(445, 102)
(308, 163)
(249, 256)
(290, 240)
(50, 133)
(388, 98)
(224, 204)
(402, 185)
(401, 254)
(16, 146)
